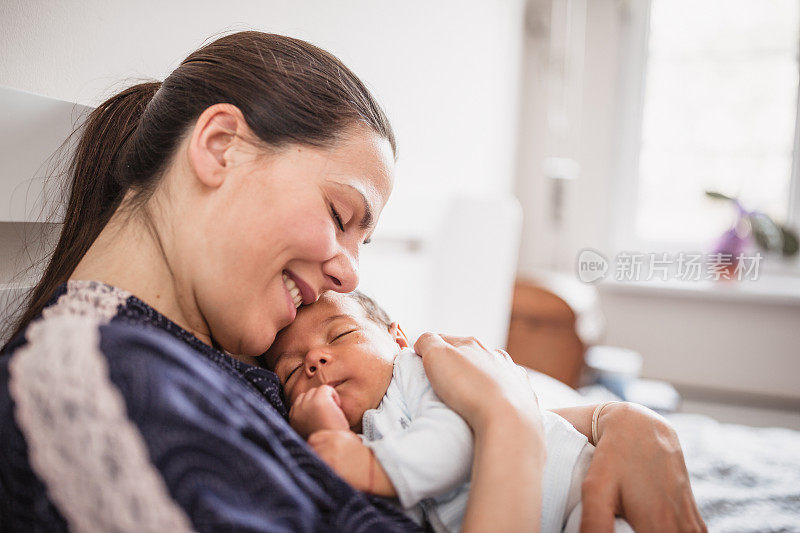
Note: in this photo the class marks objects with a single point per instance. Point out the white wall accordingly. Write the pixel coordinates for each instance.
(446, 71)
(745, 346)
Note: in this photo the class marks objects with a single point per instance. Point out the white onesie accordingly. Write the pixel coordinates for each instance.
(426, 450)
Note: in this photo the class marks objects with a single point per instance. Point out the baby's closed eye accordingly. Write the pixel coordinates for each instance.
(342, 334)
(291, 373)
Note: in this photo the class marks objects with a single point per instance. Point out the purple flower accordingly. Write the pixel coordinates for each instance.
(731, 242)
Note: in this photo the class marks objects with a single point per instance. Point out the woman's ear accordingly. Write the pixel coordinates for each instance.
(215, 133)
(399, 337)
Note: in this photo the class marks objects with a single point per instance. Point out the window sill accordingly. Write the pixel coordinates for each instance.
(768, 289)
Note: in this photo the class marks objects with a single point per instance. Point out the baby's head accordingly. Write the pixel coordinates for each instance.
(343, 340)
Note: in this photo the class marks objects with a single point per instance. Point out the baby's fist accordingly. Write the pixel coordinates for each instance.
(317, 409)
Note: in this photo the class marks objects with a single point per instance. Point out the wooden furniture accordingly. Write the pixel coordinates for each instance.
(545, 332)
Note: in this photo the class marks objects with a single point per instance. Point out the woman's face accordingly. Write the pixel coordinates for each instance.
(281, 228)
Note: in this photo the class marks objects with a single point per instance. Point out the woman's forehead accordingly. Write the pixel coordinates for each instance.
(369, 160)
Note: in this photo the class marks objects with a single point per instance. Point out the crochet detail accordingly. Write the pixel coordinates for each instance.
(82, 445)
(91, 299)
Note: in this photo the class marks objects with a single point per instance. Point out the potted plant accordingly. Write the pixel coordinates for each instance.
(751, 226)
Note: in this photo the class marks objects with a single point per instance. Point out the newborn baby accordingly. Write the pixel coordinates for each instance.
(361, 398)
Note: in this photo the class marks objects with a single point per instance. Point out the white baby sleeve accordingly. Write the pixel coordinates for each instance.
(433, 455)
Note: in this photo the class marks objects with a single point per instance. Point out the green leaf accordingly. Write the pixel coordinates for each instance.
(790, 242)
(718, 196)
(766, 233)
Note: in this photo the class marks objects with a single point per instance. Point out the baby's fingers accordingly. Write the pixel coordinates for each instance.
(298, 402)
(326, 394)
(296, 405)
(332, 395)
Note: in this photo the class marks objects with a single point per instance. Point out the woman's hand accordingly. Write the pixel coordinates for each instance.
(638, 472)
(478, 384)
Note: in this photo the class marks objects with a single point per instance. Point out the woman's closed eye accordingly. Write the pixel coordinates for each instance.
(342, 220)
(337, 217)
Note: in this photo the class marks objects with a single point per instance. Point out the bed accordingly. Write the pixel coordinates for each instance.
(745, 479)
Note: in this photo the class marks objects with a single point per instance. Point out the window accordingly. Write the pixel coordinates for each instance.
(718, 93)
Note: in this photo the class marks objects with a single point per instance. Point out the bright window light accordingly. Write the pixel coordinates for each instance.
(720, 106)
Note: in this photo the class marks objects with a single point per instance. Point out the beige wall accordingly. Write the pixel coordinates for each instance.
(446, 71)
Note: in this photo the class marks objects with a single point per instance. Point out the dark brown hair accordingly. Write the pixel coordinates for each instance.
(288, 90)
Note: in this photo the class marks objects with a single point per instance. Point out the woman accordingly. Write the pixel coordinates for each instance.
(206, 209)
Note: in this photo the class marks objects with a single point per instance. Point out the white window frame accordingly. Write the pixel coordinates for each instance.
(635, 33)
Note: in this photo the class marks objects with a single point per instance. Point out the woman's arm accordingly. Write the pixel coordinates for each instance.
(493, 395)
(638, 471)
(506, 490)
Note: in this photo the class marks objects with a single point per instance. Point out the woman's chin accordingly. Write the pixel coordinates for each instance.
(258, 342)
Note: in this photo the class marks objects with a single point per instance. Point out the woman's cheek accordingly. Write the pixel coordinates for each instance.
(319, 239)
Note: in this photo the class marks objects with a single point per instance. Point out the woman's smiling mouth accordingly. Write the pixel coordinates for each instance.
(300, 291)
(294, 291)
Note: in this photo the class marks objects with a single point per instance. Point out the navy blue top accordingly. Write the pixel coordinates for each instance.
(214, 429)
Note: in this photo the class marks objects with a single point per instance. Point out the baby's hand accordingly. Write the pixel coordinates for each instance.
(344, 452)
(317, 409)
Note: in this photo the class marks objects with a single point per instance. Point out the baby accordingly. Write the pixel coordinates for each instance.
(361, 398)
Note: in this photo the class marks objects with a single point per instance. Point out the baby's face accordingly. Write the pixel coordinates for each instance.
(333, 342)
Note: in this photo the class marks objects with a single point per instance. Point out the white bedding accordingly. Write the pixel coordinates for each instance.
(744, 479)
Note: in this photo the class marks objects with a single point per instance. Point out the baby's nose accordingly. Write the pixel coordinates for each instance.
(314, 367)
(315, 360)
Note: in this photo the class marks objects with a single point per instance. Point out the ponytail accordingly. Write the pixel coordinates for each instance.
(95, 193)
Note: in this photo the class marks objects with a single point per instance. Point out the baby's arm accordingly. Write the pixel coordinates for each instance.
(347, 455)
(317, 416)
(433, 455)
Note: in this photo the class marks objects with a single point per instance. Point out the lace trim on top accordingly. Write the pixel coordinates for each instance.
(91, 457)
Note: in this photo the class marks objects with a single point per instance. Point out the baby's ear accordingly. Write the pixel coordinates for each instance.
(399, 337)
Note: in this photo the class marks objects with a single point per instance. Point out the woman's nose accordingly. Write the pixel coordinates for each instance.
(341, 272)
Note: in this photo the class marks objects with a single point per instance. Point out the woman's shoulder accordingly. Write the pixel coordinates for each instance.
(85, 320)
(74, 381)
(90, 325)
(99, 402)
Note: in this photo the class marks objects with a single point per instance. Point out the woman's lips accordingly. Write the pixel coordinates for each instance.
(308, 294)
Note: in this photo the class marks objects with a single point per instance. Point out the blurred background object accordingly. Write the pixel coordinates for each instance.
(667, 99)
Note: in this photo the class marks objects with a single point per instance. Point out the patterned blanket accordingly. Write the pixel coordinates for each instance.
(744, 478)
